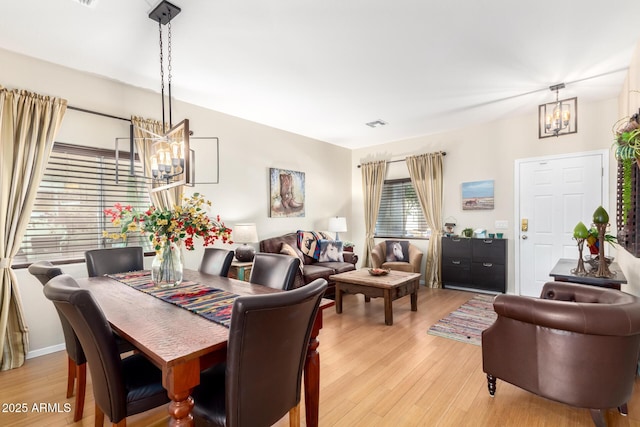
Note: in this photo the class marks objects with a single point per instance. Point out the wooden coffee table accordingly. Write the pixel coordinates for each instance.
(391, 286)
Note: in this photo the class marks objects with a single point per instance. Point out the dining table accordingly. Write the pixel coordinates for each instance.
(182, 343)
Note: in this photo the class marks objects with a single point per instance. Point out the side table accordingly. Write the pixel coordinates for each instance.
(562, 273)
(240, 270)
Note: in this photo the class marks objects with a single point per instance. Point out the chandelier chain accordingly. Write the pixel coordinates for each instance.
(161, 61)
(169, 49)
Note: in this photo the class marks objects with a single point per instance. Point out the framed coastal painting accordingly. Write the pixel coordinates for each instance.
(287, 193)
(477, 195)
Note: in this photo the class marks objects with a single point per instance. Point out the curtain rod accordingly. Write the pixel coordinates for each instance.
(83, 110)
(444, 153)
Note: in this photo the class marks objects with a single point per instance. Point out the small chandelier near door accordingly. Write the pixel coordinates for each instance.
(559, 117)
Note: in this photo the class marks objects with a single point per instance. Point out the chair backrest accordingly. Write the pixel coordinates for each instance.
(216, 261)
(114, 260)
(274, 270)
(96, 336)
(268, 340)
(45, 271)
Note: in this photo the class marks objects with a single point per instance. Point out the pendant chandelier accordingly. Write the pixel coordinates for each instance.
(559, 117)
(168, 153)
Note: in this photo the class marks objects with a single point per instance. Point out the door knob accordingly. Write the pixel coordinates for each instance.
(524, 237)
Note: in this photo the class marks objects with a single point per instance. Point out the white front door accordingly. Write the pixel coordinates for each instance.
(554, 194)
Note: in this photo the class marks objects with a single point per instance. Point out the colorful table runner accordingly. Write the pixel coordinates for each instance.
(210, 303)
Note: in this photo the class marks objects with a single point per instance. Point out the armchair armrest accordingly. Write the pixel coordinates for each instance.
(377, 257)
(415, 258)
(350, 257)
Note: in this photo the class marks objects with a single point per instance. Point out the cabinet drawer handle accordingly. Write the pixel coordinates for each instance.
(453, 239)
(455, 262)
(488, 241)
(487, 264)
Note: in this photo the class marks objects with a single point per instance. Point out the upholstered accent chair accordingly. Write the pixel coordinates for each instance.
(576, 344)
(261, 380)
(216, 261)
(114, 260)
(385, 255)
(121, 387)
(274, 270)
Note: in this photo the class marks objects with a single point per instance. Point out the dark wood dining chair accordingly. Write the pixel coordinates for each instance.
(121, 386)
(274, 270)
(267, 348)
(76, 361)
(114, 260)
(216, 261)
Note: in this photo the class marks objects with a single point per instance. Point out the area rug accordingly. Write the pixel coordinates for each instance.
(467, 322)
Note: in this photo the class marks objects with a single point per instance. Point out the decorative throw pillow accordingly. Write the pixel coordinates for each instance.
(330, 251)
(286, 249)
(397, 250)
(308, 242)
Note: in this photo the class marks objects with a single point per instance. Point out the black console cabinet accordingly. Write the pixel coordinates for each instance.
(474, 264)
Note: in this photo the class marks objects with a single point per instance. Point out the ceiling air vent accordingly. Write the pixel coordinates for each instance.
(88, 3)
(376, 123)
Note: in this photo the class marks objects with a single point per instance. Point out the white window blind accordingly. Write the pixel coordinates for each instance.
(67, 217)
(400, 214)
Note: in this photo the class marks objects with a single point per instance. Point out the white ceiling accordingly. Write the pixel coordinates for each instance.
(324, 68)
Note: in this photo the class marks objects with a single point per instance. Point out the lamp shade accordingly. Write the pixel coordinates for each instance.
(338, 224)
(244, 233)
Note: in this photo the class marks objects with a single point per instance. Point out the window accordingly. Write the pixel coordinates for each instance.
(400, 214)
(67, 217)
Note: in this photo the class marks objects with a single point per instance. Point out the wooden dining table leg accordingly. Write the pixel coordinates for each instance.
(312, 375)
(179, 380)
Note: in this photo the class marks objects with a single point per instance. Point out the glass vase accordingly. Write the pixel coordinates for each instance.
(166, 269)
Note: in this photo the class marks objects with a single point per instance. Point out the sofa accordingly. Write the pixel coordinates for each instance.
(311, 269)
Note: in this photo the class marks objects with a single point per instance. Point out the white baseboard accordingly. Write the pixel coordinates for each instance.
(46, 350)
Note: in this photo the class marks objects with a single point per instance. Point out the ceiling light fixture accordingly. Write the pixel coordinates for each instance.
(559, 117)
(169, 153)
(376, 123)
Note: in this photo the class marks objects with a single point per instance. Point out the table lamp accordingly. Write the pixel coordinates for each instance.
(245, 233)
(337, 225)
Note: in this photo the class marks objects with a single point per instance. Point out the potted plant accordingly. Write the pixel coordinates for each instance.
(627, 152)
(347, 246)
(467, 232)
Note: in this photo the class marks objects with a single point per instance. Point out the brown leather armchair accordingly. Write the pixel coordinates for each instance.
(576, 344)
(379, 259)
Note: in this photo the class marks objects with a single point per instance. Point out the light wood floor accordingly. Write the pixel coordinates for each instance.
(371, 375)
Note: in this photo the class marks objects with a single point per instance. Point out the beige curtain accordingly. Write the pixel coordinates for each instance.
(426, 176)
(28, 126)
(165, 199)
(372, 181)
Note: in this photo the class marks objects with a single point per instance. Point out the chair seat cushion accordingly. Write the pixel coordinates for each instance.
(209, 397)
(398, 266)
(143, 384)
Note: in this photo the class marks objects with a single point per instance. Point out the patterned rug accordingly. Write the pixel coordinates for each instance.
(211, 303)
(468, 321)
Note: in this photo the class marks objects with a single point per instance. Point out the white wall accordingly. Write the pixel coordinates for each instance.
(488, 152)
(247, 151)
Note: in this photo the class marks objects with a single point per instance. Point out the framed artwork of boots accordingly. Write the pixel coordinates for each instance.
(287, 193)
